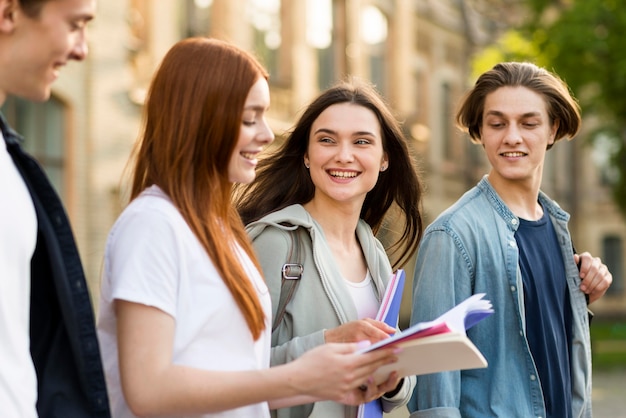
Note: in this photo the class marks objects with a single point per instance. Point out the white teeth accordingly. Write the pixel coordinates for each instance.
(513, 154)
(248, 155)
(343, 174)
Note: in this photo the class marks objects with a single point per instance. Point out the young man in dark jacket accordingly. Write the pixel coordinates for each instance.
(49, 357)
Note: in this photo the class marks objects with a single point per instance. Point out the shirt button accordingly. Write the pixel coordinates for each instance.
(513, 221)
(512, 243)
(533, 377)
(512, 288)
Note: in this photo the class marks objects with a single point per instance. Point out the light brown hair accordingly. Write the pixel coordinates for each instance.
(560, 104)
(32, 8)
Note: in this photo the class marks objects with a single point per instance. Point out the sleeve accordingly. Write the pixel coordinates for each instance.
(441, 278)
(401, 397)
(142, 264)
(272, 246)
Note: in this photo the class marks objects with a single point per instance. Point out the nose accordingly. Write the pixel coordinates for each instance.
(344, 153)
(80, 49)
(513, 134)
(266, 135)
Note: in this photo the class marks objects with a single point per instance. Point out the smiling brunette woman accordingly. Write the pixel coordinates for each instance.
(330, 186)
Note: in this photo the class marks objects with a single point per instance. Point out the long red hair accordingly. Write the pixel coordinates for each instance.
(192, 118)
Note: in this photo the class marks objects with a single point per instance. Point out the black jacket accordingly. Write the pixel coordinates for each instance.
(63, 339)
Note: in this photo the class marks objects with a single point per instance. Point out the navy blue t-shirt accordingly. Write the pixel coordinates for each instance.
(548, 312)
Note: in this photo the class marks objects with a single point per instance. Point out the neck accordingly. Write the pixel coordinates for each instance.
(522, 198)
(338, 221)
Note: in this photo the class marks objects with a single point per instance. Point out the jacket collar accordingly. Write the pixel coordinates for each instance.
(10, 136)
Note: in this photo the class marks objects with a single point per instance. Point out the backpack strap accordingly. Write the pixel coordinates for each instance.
(590, 313)
(291, 274)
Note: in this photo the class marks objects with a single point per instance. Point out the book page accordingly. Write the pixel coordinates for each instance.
(438, 345)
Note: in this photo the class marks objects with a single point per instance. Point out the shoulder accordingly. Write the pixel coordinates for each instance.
(469, 209)
(286, 220)
(149, 215)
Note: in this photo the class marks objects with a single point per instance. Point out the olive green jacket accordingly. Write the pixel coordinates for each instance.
(321, 300)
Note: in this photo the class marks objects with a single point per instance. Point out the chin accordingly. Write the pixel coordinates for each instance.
(40, 96)
(243, 178)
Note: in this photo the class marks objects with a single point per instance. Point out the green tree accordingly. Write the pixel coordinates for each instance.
(584, 41)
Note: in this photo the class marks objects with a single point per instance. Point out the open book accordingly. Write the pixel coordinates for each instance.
(438, 345)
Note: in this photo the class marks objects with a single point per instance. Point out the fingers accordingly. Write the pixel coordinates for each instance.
(390, 384)
(363, 329)
(361, 367)
(335, 371)
(380, 325)
(369, 390)
(595, 276)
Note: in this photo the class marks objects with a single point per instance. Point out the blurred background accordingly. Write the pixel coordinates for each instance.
(421, 54)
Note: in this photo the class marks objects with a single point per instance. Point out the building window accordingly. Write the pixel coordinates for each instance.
(613, 256)
(319, 35)
(43, 127)
(446, 122)
(264, 15)
(374, 29)
(198, 17)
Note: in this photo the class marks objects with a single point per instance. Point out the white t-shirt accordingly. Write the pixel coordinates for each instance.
(364, 297)
(152, 257)
(18, 236)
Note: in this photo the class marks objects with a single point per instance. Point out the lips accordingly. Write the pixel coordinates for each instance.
(343, 174)
(513, 154)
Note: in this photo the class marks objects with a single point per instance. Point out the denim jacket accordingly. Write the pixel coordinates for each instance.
(64, 345)
(471, 248)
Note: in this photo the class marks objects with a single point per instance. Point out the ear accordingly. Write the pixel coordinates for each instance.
(307, 164)
(555, 129)
(8, 9)
(384, 163)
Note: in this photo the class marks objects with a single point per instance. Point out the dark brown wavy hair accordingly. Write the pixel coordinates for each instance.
(283, 180)
(192, 119)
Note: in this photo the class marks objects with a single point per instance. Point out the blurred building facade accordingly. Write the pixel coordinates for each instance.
(417, 52)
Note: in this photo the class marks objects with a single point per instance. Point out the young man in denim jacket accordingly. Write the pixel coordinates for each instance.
(509, 240)
(49, 357)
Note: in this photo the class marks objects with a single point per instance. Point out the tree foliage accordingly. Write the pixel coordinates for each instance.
(584, 41)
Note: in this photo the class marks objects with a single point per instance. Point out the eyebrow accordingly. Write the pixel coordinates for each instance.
(85, 17)
(255, 107)
(330, 131)
(501, 114)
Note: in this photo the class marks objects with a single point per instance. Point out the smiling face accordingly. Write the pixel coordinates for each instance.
(345, 153)
(38, 46)
(254, 134)
(515, 133)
